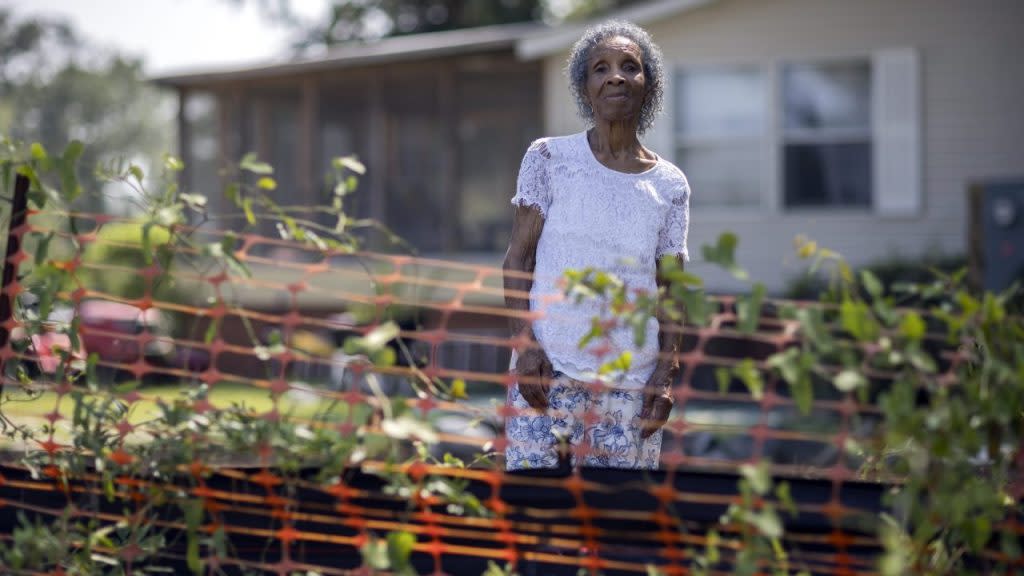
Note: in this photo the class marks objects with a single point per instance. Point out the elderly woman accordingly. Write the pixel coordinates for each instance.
(597, 199)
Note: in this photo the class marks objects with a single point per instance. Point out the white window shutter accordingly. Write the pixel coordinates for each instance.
(896, 129)
(661, 137)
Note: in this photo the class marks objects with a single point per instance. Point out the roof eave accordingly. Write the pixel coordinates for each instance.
(506, 40)
(545, 44)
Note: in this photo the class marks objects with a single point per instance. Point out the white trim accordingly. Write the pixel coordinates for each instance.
(707, 141)
(772, 193)
(896, 116)
(827, 135)
(544, 44)
(660, 136)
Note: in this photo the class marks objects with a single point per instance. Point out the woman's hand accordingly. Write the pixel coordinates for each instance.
(657, 401)
(533, 366)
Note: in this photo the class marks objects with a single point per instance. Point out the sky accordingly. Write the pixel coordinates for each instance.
(177, 35)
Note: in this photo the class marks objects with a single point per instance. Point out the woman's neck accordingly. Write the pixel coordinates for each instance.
(617, 147)
(616, 139)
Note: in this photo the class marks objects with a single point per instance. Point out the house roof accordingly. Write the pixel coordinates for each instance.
(531, 40)
(392, 49)
(555, 40)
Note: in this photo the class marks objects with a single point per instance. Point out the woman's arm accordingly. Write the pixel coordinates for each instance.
(532, 365)
(658, 391)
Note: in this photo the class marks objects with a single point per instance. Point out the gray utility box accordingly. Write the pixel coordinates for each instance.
(996, 233)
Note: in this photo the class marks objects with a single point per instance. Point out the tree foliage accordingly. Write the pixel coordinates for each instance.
(55, 88)
(367, 20)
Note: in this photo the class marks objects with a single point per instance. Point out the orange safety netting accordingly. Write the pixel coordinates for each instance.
(279, 330)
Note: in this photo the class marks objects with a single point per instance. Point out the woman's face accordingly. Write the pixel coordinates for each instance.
(616, 85)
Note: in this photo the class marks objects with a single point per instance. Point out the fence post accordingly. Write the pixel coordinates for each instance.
(19, 210)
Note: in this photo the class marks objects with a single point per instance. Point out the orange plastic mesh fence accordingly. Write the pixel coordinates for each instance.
(272, 339)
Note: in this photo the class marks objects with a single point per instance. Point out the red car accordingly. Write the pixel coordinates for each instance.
(112, 331)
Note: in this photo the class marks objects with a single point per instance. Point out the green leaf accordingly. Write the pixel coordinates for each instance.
(173, 163)
(249, 163)
(380, 336)
(697, 307)
(383, 357)
(596, 330)
(856, 318)
(38, 152)
(375, 554)
(871, 284)
(724, 377)
(400, 546)
(73, 332)
(785, 497)
(168, 216)
(1009, 543)
(70, 187)
(211, 331)
(979, 530)
(748, 309)
(920, 360)
(619, 364)
(193, 510)
(746, 370)
(266, 183)
(849, 380)
(794, 366)
(803, 394)
(195, 202)
(805, 248)
(350, 163)
(723, 253)
(757, 477)
(459, 389)
(42, 251)
(137, 172)
(767, 523)
(409, 426)
(231, 192)
(250, 216)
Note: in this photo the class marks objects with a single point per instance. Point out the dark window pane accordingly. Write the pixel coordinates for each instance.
(498, 117)
(828, 174)
(415, 209)
(414, 163)
(343, 132)
(283, 140)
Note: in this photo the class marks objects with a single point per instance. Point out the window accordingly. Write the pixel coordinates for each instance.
(826, 134)
(201, 151)
(720, 131)
(497, 119)
(820, 134)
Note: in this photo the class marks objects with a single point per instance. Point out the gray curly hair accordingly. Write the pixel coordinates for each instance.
(650, 55)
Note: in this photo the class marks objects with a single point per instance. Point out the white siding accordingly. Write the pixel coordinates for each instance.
(972, 86)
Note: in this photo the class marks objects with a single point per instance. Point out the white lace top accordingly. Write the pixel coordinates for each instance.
(598, 217)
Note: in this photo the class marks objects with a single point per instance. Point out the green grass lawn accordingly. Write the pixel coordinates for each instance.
(300, 403)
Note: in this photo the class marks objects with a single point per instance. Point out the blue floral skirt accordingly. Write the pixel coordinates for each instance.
(609, 436)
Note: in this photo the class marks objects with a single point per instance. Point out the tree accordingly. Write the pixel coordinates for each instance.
(54, 88)
(367, 20)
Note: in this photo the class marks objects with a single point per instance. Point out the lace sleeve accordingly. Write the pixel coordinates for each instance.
(672, 237)
(532, 184)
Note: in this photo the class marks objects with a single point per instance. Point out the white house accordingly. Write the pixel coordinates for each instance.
(858, 123)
